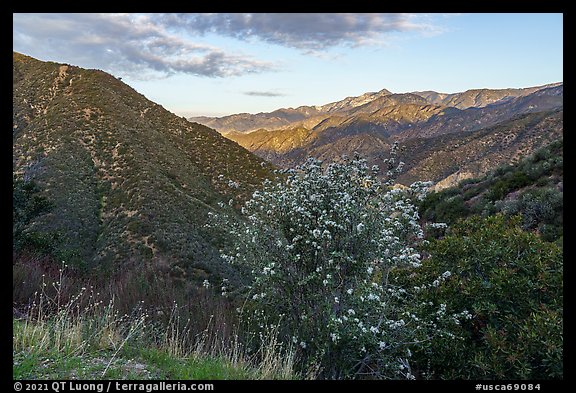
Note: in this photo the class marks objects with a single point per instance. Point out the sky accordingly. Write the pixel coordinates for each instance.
(219, 64)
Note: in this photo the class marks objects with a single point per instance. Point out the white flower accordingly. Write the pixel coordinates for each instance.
(360, 227)
(302, 344)
(442, 309)
(349, 291)
(206, 284)
(370, 270)
(351, 312)
(438, 225)
(316, 233)
(382, 344)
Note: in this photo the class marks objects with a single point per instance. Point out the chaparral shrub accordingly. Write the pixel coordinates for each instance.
(27, 204)
(511, 282)
(319, 245)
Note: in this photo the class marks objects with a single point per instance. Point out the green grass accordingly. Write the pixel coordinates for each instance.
(132, 362)
(149, 363)
(57, 365)
(84, 338)
(195, 367)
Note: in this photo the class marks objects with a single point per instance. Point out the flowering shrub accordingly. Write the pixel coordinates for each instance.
(319, 244)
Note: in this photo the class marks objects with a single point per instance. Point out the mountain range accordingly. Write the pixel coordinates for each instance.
(131, 184)
(478, 129)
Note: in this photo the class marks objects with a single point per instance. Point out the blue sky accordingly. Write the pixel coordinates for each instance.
(220, 64)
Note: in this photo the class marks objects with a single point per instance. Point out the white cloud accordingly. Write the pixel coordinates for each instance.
(308, 31)
(124, 43)
(263, 94)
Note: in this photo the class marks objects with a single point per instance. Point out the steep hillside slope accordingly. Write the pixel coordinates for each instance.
(131, 182)
(532, 187)
(450, 158)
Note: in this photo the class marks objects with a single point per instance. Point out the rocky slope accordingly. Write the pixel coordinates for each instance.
(131, 183)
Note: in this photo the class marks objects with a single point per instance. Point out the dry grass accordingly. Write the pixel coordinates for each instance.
(87, 327)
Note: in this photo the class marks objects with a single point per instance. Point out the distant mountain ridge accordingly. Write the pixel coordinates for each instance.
(378, 120)
(479, 98)
(312, 115)
(352, 102)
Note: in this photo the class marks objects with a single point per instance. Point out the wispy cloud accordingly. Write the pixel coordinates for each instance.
(131, 44)
(263, 94)
(307, 31)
